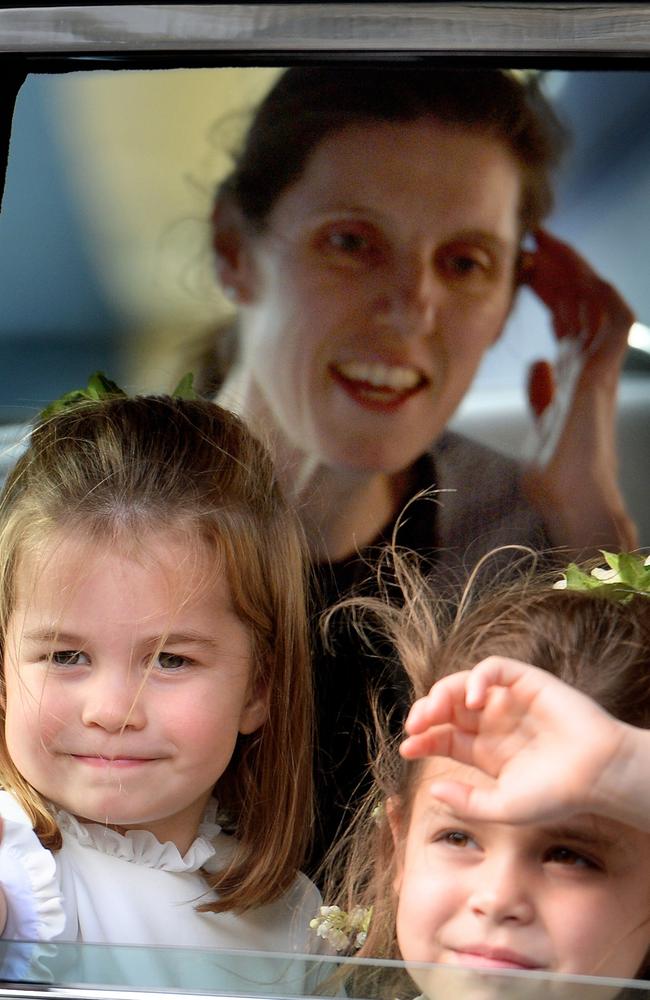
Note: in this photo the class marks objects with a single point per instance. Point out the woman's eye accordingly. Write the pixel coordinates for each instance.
(461, 265)
(465, 265)
(348, 241)
(171, 661)
(350, 245)
(570, 858)
(68, 658)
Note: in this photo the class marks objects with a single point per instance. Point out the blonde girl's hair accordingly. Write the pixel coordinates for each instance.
(598, 646)
(119, 468)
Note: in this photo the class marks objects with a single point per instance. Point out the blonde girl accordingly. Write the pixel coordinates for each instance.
(513, 831)
(156, 726)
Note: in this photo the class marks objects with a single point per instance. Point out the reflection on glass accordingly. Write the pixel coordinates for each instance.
(257, 974)
(105, 256)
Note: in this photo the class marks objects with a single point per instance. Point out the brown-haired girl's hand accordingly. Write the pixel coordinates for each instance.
(573, 478)
(551, 750)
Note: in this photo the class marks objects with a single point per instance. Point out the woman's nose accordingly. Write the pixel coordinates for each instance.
(113, 700)
(410, 300)
(502, 893)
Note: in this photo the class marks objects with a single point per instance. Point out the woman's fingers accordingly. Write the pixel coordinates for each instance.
(541, 386)
(582, 304)
(573, 478)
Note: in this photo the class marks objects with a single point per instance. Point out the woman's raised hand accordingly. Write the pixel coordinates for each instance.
(573, 478)
(551, 750)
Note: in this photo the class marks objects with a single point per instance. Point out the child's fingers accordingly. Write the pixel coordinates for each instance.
(466, 801)
(440, 705)
(495, 671)
(440, 741)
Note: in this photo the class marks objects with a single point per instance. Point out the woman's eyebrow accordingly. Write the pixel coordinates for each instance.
(486, 237)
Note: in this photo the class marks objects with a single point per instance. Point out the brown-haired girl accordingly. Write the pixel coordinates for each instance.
(156, 697)
(514, 831)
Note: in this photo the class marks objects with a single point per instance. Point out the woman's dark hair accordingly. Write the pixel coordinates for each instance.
(307, 104)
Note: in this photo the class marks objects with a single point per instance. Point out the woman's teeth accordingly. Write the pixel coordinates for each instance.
(398, 378)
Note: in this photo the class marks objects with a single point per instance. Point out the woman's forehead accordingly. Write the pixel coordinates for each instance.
(423, 166)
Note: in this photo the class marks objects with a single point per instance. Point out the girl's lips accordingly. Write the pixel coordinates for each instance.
(378, 387)
(105, 762)
(493, 958)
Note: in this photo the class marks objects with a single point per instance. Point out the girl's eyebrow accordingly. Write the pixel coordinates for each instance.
(51, 634)
(183, 638)
(582, 835)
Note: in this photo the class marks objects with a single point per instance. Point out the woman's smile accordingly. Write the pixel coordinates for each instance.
(378, 386)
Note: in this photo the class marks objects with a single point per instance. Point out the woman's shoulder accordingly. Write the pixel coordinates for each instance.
(482, 504)
(458, 456)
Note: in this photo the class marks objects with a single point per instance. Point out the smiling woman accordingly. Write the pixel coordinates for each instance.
(374, 233)
(367, 387)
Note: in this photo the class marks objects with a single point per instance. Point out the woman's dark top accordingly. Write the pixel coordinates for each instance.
(484, 509)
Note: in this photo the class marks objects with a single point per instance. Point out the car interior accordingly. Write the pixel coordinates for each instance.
(114, 147)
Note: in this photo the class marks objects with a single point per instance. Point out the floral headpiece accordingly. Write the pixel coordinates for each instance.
(101, 387)
(627, 574)
(341, 929)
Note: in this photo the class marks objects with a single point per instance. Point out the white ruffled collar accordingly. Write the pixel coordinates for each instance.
(141, 847)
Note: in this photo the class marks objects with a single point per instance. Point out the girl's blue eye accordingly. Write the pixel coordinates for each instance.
(68, 657)
(171, 661)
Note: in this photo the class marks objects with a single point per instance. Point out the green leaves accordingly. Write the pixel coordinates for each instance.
(627, 574)
(100, 387)
(185, 388)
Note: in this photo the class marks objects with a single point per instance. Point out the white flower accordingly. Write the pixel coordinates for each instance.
(340, 928)
(377, 813)
(606, 575)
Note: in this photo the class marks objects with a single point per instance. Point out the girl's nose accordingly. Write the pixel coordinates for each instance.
(502, 893)
(113, 701)
(409, 302)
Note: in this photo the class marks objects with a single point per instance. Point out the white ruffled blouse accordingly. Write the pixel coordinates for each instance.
(103, 886)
